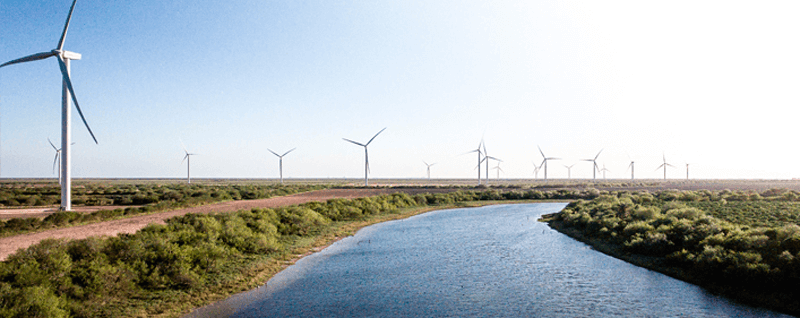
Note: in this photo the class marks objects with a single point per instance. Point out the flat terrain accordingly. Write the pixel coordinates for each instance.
(9, 245)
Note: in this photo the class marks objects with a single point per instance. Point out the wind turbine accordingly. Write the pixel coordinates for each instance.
(544, 162)
(280, 161)
(536, 170)
(664, 165)
(595, 168)
(687, 171)
(478, 150)
(55, 160)
(188, 159)
(429, 168)
(67, 93)
(630, 166)
(569, 170)
(498, 169)
(604, 171)
(366, 155)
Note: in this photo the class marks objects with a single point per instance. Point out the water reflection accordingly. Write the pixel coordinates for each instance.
(493, 261)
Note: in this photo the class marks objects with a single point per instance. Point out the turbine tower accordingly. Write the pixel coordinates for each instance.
(429, 168)
(366, 155)
(664, 165)
(67, 93)
(569, 170)
(544, 162)
(595, 168)
(188, 159)
(280, 161)
(687, 171)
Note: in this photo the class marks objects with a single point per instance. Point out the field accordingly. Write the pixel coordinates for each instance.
(169, 245)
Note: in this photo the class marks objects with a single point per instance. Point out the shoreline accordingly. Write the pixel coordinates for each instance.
(757, 299)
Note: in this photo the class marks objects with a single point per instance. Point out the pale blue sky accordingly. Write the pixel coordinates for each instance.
(712, 83)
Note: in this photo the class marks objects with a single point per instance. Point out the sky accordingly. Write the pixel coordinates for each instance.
(710, 83)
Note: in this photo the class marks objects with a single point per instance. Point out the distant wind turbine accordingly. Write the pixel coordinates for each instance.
(280, 161)
(569, 170)
(536, 170)
(595, 168)
(67, 93)
(429, 168)
(478, 150)
(366, 155)
(604, 171)
(498, 169)
(664, 165)
(487, 157)
(630, 166)
(544, 162)
(687, 171)
(188, 159)
(55, 160)
(58, 154)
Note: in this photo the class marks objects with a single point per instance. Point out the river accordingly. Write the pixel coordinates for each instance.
(493, 261)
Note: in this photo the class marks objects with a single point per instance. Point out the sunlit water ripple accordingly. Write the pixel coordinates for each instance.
(495, 261)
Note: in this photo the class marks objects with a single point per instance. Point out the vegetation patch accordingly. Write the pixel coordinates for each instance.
(195, 259)
(745, 245)
(147, 198)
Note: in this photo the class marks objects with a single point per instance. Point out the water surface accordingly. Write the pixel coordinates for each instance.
(495, 261)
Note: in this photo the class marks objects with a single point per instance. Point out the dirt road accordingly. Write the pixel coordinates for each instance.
(9, 245)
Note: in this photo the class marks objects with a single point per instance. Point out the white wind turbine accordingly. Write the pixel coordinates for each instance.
(188, 159)
(664, 165)
(429, 168)
(536, 170)
(366, 155)
(604, 170)
(487, 157)
(569, 170)
(687, 171)
(55, 160)
(497, 167)
(595, 168)
(630, 166)
(544, 162)
(478, 150)
(67, 93)
(280, 161)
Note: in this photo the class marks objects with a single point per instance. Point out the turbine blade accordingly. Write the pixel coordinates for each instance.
(66, 26)
(30, 58)
(54, 162)
(376, 135)
(357, 143)
(286, 153)
(184, 158)
(51, 144)
(541, 152)
(470, 152)
(598, 154)
(423, 161)
(65, 75)
(273, 152)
